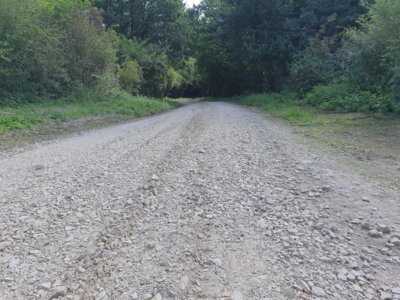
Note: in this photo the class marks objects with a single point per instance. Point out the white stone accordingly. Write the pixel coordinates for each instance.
(237, 295)
(317, 291)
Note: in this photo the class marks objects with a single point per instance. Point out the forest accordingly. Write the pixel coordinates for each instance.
(337, 55)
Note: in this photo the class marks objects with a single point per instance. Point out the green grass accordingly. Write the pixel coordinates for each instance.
(281, 105)
(288, 107)
(35, 116)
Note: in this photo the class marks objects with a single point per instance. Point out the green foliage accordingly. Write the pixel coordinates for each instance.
(258, 33)
(368, 63)
(160, 76)
(250, 49)
(246, 46)
(31, 50)
(131, 77)
(343, 98)
(315, 65)
(90, 50)
(190, 73)
(52, 48)
(324, 19)
(363, 101)
(324, 94)
(221, 76)
(14, 119)
(162, 22)
(372, 53)
(152, 60)
(34, 116)
(174, 79)
(62, 50)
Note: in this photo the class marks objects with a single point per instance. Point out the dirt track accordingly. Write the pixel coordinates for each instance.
(209, 201)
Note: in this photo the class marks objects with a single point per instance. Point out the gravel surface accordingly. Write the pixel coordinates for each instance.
(209, 201)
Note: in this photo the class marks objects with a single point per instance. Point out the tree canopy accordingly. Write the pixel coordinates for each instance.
(217, 48)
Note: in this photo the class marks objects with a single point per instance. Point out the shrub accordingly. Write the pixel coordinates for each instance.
(325, 93)
(364, 101)
(342, 97)
(131, 77)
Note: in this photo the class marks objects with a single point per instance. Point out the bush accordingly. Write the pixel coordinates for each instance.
(325, 93)
(131, 77)
(342, 97)
(359, 102)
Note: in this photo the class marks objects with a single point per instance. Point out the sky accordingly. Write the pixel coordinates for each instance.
(190, 3)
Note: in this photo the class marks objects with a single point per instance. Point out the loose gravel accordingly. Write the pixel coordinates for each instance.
(210, 201)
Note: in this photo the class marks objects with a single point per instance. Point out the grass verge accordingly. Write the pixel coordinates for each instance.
(36, 116)
(287, 107)
(21, 125)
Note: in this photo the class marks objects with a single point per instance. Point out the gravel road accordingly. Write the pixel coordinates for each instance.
(209, 201)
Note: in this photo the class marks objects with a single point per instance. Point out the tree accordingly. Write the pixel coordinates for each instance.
(52, 48)
(316, 65)
(152, 60)
(162, 22)
(372, 52)
(248, 44)
(245, 44)
(325, 19)
(90, 49)
(31, 56)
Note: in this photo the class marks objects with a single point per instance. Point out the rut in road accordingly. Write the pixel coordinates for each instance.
(210, 201)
